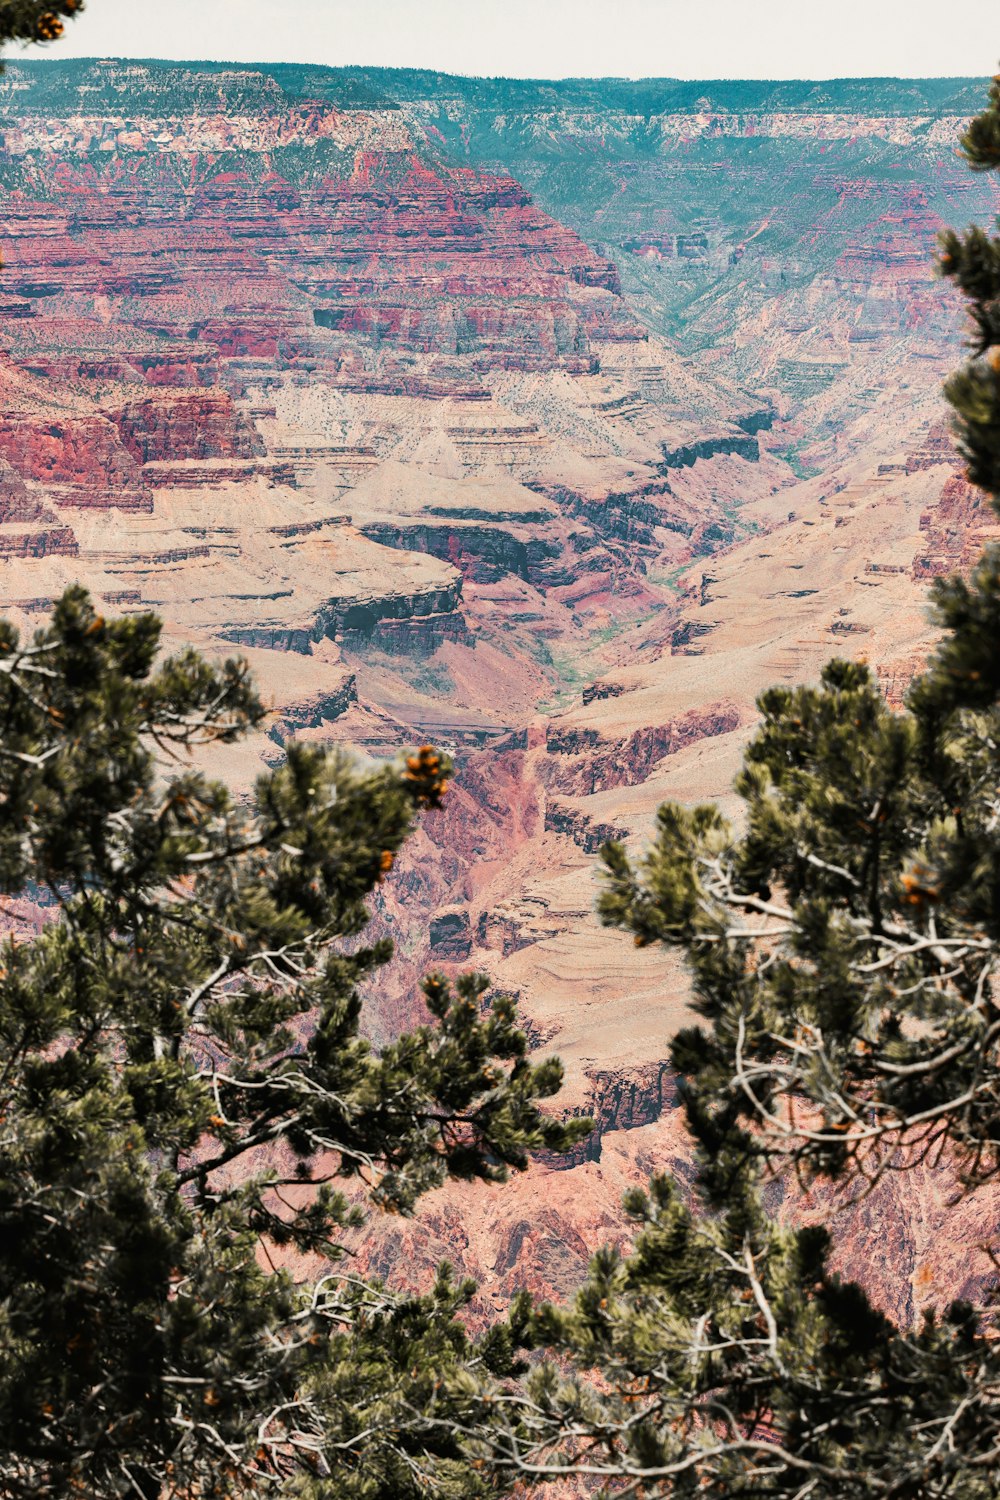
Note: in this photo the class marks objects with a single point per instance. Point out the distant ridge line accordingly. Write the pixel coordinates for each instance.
(373, 87)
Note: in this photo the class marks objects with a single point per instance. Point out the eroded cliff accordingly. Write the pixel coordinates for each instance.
(549, 425)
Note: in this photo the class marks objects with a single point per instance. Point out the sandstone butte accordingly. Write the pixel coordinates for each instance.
(548, 422)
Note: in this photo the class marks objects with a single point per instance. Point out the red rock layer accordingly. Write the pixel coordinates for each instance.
(185, 425)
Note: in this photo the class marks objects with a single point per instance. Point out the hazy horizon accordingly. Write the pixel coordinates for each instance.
(550, 40)
(35, 55)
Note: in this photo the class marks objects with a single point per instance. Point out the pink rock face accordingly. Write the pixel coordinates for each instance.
(81, 451)
(16, 504)
(592, 764)
(560, 491)
(184, 425)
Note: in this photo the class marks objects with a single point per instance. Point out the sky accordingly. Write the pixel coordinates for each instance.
(559, 38)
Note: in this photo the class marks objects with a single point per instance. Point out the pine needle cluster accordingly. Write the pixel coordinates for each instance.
(36, 20)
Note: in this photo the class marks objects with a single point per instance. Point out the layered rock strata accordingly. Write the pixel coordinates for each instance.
(557, 468)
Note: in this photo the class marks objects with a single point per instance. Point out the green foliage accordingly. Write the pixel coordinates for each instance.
(731, 1363)
(841, 945)
(981, 139)
(184, 1083)
(401, 1387)
(843, 940)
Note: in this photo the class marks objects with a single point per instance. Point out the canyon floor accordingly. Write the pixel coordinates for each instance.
(550, 423)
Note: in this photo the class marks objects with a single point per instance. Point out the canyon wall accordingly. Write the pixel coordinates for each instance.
(548, 422)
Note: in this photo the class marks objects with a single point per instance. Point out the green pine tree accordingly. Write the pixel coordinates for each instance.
(843, 951)
(185, 1090)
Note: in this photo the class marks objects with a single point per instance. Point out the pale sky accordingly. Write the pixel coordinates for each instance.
(559, 38)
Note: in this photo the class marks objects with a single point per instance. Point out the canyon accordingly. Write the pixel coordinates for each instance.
(548, 422)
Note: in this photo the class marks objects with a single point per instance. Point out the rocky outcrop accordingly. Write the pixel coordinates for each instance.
(381, 619)
(318, 709)
(271, 639)
(583, 761)
(685, 635)
(504, 932)
(80, 460)
(56, 541)
(625, 1101)
(180, 366)
(184, 365)
(451, 935)
(757, 421)
(218, 473)
(683, 457)
(938, 447)
(481, 553)
(620, 1100)
(413, 624)
(419, 635)
(597, 691)
(178, 425)
(628, 516)
(955, 530)
(573, 821)
(16, 502)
